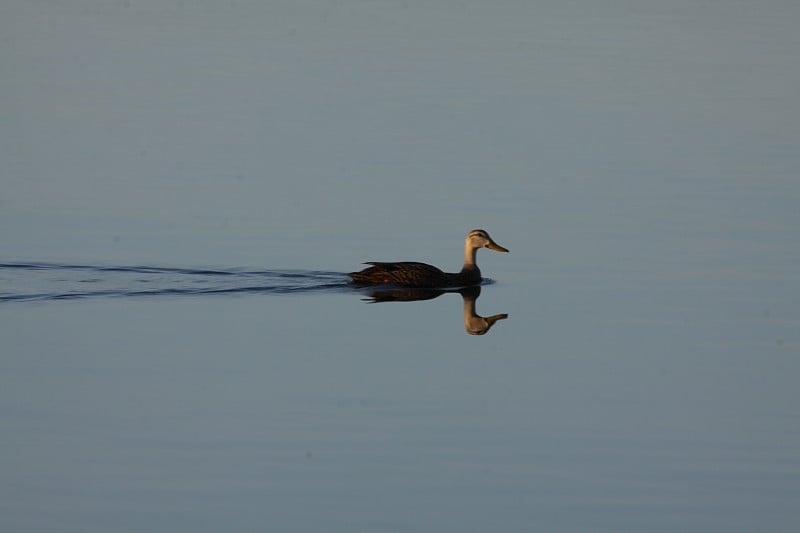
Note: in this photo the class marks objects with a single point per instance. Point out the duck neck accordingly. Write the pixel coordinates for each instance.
(474, 324)
(469, 259)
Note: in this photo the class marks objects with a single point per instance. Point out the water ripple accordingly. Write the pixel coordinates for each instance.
(54, 281)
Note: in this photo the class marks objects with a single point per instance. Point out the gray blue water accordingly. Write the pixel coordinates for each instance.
(48, 281)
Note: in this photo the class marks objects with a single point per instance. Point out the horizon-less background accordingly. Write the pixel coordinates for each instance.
(215, 166)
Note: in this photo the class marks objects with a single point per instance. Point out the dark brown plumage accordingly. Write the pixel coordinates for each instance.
(410, 274)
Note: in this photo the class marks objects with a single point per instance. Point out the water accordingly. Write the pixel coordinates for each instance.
(45, 281)
(185, 185)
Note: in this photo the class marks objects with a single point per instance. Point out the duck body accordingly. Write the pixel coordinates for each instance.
(411, 274)
(423, 275)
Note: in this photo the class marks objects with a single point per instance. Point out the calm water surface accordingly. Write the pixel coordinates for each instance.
(184, 186)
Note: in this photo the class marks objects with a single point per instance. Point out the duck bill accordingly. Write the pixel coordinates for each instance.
(496, 247)
(494, 318)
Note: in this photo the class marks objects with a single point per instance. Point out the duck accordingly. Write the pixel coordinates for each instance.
(423, 275)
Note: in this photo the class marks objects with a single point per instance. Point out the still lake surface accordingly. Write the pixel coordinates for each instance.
(184, 186)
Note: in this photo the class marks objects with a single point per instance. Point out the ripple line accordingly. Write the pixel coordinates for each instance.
(58, 281)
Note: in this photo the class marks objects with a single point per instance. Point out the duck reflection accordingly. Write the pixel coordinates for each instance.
(474, 323)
